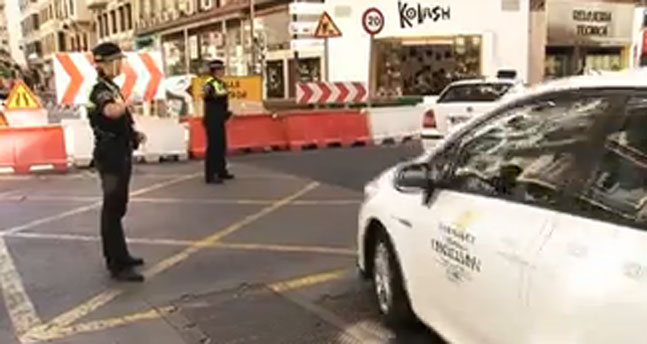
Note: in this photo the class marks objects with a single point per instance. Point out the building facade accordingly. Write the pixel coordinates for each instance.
(114, 21)
(53, 26)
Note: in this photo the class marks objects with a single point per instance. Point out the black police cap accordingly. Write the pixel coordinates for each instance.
(216, 64)
(106, 52)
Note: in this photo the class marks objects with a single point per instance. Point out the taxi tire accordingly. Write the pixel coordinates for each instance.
(400, 312)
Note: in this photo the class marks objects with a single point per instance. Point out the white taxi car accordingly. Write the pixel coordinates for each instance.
(528, 225)
(461, 101)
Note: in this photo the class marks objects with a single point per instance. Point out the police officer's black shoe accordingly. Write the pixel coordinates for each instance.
(134, 261)
(226, 176)
(127, 275)
(216, 180)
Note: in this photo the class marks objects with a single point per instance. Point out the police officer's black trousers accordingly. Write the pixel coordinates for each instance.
(215, 163)
(114, 183)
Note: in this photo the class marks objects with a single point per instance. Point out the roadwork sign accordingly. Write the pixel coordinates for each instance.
(22, 98)
(326, 27)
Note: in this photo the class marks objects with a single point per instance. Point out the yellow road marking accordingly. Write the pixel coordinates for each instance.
(105, 297)
(307, 281)
(89, 207)
(184, 243)
(197, 246)
(105, 324)
(99, 325)
(20, 308)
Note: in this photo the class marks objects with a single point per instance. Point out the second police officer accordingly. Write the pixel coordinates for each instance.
(216, 113)
(115, 140)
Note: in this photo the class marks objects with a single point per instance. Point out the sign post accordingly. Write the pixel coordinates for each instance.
(373, 23)
(327, 29)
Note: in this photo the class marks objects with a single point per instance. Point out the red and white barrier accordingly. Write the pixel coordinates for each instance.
(325, 128)
(31, 149)
(331, 93)
(142, 77)
(395, 124)
(79, 141)
(166, 139)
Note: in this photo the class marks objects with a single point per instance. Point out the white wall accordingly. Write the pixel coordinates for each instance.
(505, 34)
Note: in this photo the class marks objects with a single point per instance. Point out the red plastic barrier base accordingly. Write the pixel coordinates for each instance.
(244, 133)
(31, 149)
(197, 137)
(326, 128)
(255, 132)
(294, 130)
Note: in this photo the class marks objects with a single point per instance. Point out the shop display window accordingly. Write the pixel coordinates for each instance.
(425, 66)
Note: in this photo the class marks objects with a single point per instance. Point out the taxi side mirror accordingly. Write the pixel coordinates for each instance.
(414, 178)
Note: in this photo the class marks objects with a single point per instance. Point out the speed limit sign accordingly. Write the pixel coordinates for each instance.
(373, 21)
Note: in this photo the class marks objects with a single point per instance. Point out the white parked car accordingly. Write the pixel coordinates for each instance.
(461, 101)
(526, 226)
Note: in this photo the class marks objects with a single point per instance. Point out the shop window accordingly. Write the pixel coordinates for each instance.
(113, 19)
(122, 19)
(100, 25)
(275, 82)
(106, 30)
(308, 70)
(424, 67)
(129, 17)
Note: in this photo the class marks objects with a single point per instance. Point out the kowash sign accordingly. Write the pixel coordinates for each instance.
(416, 13)
(573, 21)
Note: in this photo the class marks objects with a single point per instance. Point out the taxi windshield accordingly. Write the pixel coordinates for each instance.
(482, 92)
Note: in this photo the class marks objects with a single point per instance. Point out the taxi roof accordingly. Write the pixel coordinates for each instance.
(635, 78)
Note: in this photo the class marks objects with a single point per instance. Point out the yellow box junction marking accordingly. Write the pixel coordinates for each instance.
(44, 332)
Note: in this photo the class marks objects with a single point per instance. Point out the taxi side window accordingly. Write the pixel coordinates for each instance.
(538, 152)
(617, 188)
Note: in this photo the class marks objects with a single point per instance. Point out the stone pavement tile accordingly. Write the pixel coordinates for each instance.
(214, 270)
(59, 275)
(16, 213)
(156, 331)
(330, 225)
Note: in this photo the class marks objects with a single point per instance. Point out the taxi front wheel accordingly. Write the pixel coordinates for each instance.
(390, 293)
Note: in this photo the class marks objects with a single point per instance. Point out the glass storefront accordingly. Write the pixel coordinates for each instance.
(565, 61)
(424, 66)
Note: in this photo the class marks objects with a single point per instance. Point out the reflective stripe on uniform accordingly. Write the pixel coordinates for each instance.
(218, 86)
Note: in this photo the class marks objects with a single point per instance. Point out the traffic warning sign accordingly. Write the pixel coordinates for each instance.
(22, 98)
(326, 27)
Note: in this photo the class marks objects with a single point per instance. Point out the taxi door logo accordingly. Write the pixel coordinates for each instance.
(454, 247)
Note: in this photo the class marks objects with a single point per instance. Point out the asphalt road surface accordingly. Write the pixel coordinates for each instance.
(267, 258)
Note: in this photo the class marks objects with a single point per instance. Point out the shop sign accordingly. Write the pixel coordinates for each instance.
(244, 88)
(240, 88)
(570, 22)
(413, 14)
(593, 23)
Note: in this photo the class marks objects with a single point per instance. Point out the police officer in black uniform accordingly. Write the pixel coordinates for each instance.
(216, 113)
(115, 140)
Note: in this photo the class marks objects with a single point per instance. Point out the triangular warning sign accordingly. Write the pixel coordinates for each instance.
(21, 98)
(326, 27)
